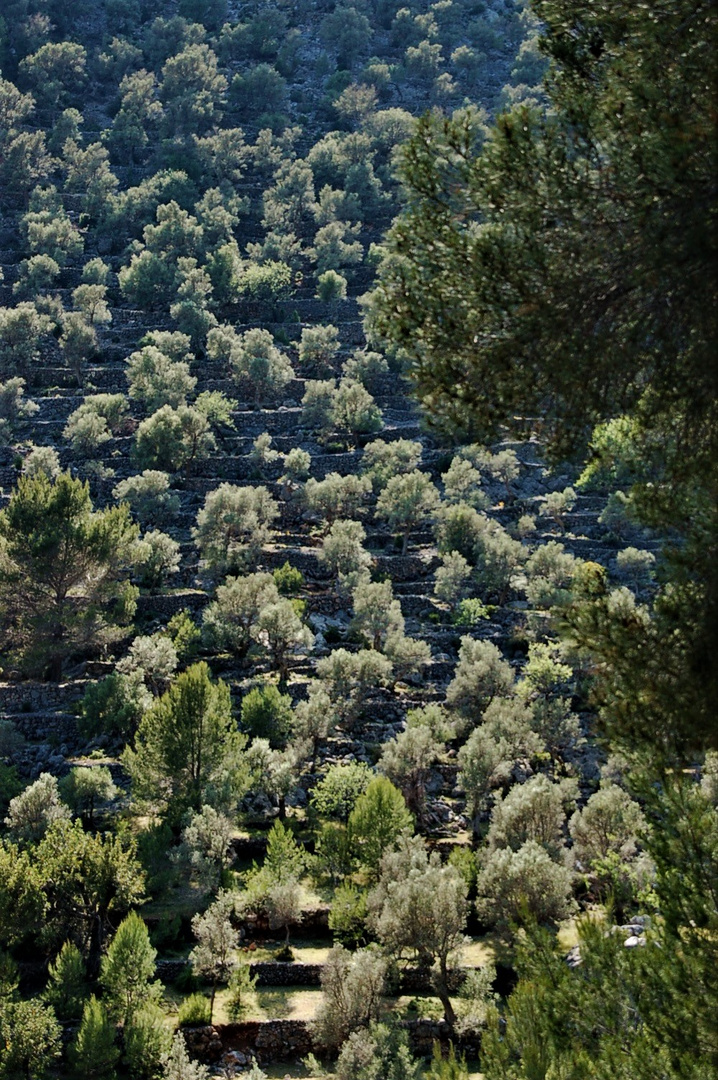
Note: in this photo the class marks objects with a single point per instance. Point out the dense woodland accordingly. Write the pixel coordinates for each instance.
(358, 588)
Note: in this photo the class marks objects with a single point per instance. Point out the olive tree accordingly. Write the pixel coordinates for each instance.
(172, 439)
(234, 524)
(377, 615)
(149, 496)
(259, 365)
(349, 677)
(14, 407)
(342, 551)
(609, 823)
(408, 501)
(513, 884)
(317, 349)
(481, 675)
(32, 811)
(406, 760)
(534, 810)
(213, 956)
(206, 840)
(418, 910)
(336, 496)
(155, 379)
(355, 411)
(352, 989)
(383, 460)
(504, 741)
(228, 621)
(279, 631)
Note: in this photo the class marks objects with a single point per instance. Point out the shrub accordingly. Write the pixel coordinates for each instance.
(331, 286)
(193, 1010)
(267, 714)
(288, 579)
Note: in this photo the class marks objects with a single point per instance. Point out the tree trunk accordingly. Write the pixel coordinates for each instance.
(441, 985)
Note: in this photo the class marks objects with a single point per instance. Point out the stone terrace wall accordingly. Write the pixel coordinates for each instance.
(290, 1040)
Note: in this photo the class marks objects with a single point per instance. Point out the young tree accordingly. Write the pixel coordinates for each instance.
(147, 1039)
(314, 719)
(114, 705)
(206, 840)
(78, 342)
(213, 956)
(127, 968)
(154, 658)
(317, 405)
(336, 794)
(177, 1063)
(284, 906)
(94, 1053)
(378, 819)
(187, 747)
(365, 367)
(382, 1049)
(63, 570)
(267, 714)
(544, 679)
(67, 986)
(241, 991)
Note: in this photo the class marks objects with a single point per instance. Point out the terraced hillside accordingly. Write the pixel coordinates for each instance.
(191, 213)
